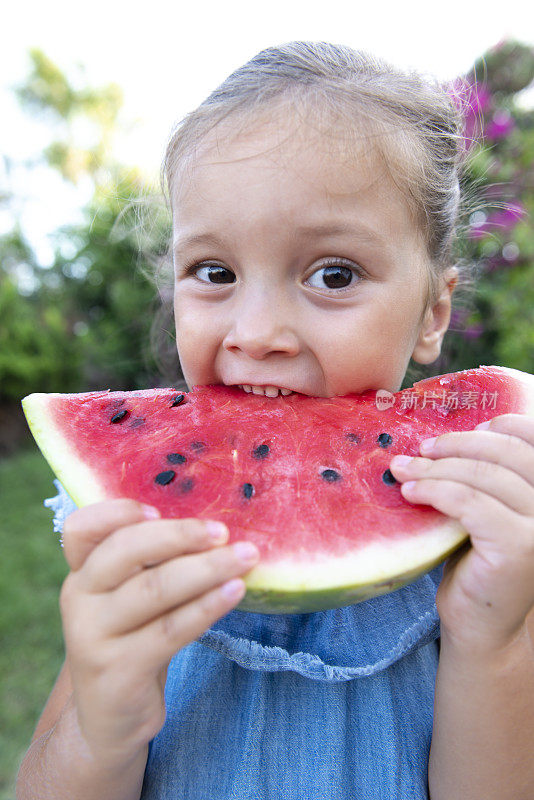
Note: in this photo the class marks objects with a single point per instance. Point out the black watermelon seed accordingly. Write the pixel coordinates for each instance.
(186, 485)
(177, 399)
(176, 458)
(262, 451)
(330, 475)
(119, 415)
(197, 445)
(388, 478)
(165, 477)
(353, 437)
(248, 490)
(384, 440)
(135, 423)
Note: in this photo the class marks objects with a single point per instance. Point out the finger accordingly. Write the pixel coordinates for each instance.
(519, 425)
(484, 517)
(507, 450)
(127, 551)
(493, 479)
(161, 638)
(156, 591)
(88, 526)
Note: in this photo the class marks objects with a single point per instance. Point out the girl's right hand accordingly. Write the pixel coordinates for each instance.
(138, 591)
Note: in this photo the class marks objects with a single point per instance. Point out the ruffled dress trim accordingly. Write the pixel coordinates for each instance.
(337, 645)
(62, 505)
(397, 644)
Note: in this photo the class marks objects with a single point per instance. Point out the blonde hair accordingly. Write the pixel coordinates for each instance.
(415, 123)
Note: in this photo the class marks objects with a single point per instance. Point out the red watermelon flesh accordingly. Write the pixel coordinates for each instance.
(305, 478)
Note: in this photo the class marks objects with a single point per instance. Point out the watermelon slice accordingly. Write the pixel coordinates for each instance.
(305, 478)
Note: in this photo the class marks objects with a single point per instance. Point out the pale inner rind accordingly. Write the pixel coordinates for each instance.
(526, 381)
(374, 563)
(81, 482)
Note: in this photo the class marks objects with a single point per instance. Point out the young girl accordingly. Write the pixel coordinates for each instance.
(314, 198)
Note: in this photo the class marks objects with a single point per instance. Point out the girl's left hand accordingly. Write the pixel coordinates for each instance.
(484, 479)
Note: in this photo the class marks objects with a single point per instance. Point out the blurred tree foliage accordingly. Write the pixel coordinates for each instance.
(48, 93)
(87, 323)
(35, 348)
(495, 323)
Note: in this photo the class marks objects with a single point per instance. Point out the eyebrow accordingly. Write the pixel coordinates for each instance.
(309, 231)
(361, 231)
(196, 238)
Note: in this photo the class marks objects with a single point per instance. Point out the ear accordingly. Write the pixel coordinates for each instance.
(435, 322)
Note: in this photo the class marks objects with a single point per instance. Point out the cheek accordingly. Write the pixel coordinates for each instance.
(187, 329)
(186, 317)
(389, 323)
(396, 317)
(197, 340)
(394, 334)
(379, 345)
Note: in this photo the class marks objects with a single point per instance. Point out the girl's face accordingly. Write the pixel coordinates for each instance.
(298, 268)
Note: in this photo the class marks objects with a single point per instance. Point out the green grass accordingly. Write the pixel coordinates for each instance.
(32, 569)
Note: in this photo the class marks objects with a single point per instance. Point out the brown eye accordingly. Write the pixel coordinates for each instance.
(212, 273)
(335, 277)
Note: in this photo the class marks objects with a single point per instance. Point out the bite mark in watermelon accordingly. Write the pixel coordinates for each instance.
(306, 479)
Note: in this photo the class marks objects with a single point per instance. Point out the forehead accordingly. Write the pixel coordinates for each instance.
(281, 140)
(295, 164)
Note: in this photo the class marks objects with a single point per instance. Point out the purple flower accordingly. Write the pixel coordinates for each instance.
(508, 217)
(504, 219)
(473, 101)
(457, 323)
(473, 332)
(458, 317)
(480, 99)
(500, 126)
(468, 97)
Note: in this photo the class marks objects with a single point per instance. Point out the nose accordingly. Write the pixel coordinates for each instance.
(261, 326)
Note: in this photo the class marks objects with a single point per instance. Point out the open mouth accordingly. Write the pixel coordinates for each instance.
(266, 391)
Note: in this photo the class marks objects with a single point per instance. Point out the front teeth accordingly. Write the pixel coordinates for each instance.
(267, 391)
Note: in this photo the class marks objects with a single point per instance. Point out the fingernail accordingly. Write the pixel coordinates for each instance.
(233, 589)
(217, 530)
(150, 512)
(409, 486)
(400, 461)
(483, 426)
(246, 551)
(428, 444)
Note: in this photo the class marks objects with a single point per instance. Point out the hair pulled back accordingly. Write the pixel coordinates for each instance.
(412, 119)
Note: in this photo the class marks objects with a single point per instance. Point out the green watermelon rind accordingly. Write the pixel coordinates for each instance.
(301, 586)
(291, 586)
(306, 600)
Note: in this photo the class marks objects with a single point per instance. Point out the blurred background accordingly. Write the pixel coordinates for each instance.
(88, 98)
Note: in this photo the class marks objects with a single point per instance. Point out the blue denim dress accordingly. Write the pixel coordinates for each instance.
(330, 705)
